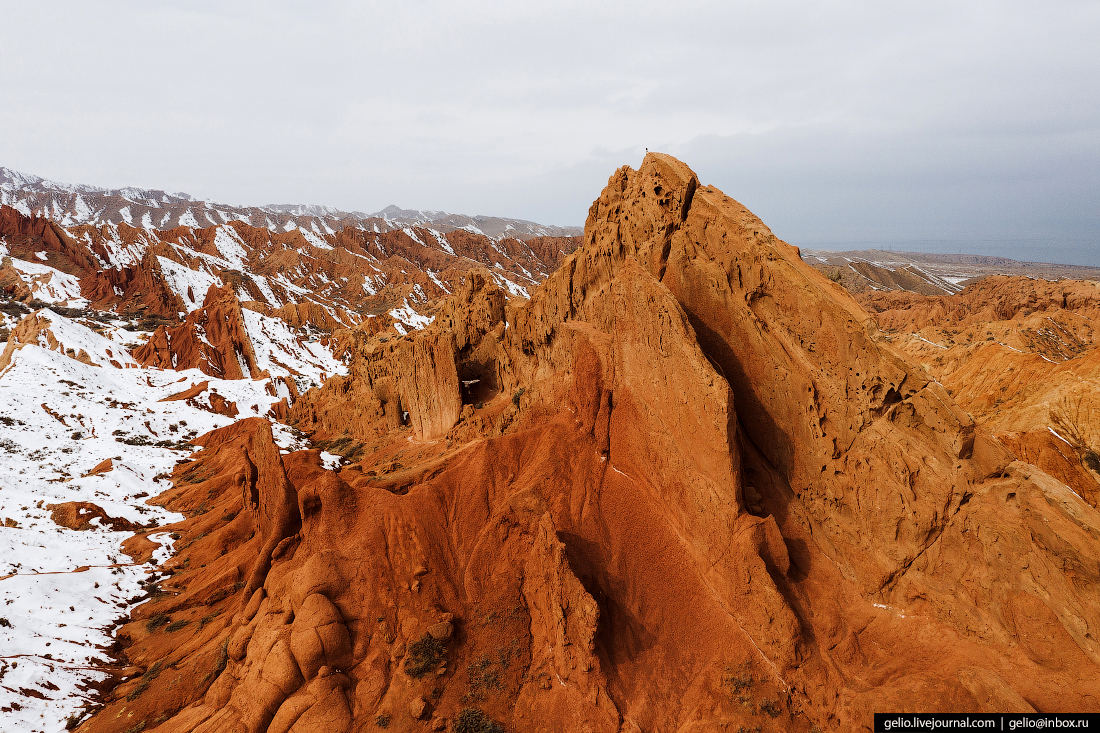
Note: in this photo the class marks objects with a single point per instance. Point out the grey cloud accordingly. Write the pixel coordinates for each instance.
(835, 121)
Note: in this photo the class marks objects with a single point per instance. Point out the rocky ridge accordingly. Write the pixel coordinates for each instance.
(687, 485)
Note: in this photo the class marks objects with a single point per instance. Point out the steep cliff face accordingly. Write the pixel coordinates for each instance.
(687, 486)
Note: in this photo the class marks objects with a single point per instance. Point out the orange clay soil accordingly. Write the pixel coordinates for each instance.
(688, 486)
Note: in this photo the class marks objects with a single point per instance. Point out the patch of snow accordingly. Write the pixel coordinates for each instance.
(918, 337)
(315, 239)
(179, 278)
(187, 219)
(510, 286)
(52, 609)
(413, 236)
(50, 284)
(71, 335)
(406, 315)
(230, 246)
(1059, 437)
(282, 353)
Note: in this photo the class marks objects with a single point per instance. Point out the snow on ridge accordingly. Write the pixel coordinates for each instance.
(70, 335)
(406, 315)
(314, 238)
(442, 241)
(412, 235)
(180, 279)
(511, 287)
(279, 350)
(187, 219)
(21, 207)
(265, 290)
(49, 284)
(230, 246)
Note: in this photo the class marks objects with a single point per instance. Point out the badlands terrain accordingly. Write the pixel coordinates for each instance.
(290, 469)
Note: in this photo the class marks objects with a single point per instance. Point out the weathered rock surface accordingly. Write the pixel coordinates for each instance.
(213, 339)
(1021, 356)
(687, 486)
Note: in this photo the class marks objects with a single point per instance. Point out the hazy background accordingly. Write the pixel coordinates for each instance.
(934, 126)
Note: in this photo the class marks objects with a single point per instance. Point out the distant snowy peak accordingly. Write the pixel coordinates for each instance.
(491, 226)
(72, 204)
(17, 181)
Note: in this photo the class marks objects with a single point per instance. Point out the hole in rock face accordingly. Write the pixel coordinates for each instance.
(477, 379)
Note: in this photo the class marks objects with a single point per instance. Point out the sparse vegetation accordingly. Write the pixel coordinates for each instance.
(220, 662)
(472, 720)
(423, 656)
(146, 679)
(771, 708)
(383, 720)
(176, 625)
(224, 592)
(740, 683)
(1092, 460)
(14, 308)
(484, 677)
(517, 395)
(155, 622)
(344, 447)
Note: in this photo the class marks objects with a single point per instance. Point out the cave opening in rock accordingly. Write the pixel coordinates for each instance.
(477, 380)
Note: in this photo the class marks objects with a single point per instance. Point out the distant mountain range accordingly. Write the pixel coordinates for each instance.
(929, 274)
(70, 204)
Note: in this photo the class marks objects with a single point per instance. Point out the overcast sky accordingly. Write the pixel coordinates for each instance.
(938, 126)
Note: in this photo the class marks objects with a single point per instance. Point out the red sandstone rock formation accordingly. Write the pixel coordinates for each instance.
(324, 281)
(1020, 355)
(80, 514)
(687, 486)
(213, 339)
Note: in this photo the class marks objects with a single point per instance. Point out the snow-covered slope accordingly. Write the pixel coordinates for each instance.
(62, 589)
